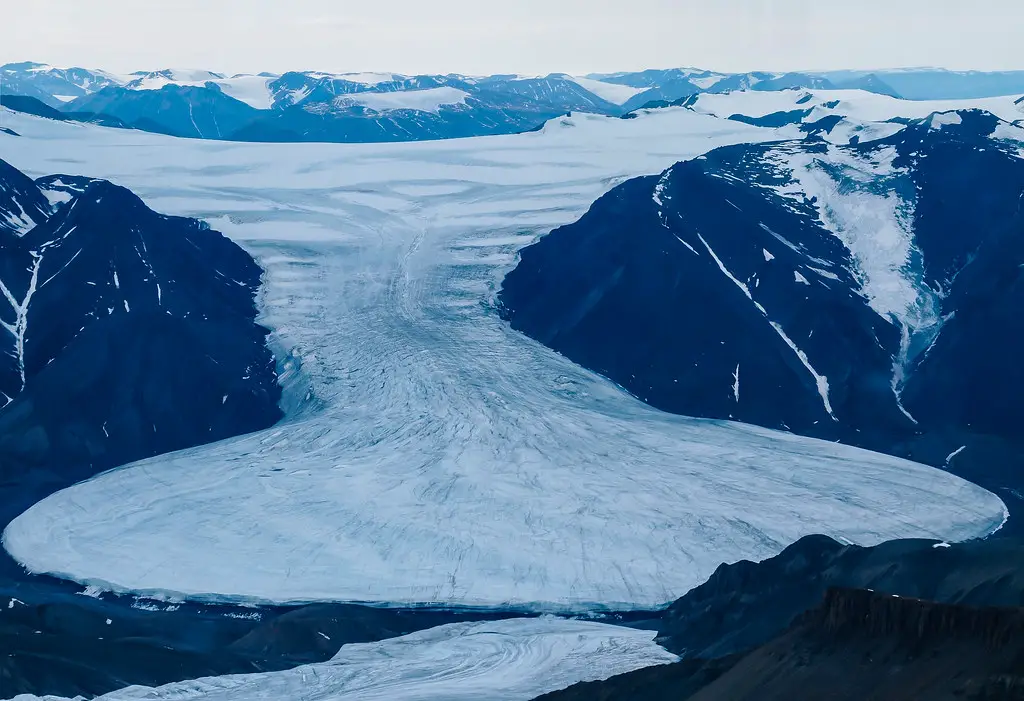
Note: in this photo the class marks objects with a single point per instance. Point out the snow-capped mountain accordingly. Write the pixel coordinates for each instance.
(660, 85)
(125, 333)
(322, 107)
(673, 85)
(177, 110)
(860, 292)
(327, 108)
(22, 204)
(54, 86)
(362, 107)
(839, 116)
(910, 84)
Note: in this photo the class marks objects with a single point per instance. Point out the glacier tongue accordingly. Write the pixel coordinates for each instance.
(513, 660)
(445, 458)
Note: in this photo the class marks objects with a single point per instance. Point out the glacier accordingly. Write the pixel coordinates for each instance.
(512, 660)
(431, 454)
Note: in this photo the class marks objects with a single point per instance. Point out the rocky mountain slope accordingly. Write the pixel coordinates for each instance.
(125, 334)
(903, 620)
(858, 292)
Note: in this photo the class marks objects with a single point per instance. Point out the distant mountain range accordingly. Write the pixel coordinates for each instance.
(370, 107)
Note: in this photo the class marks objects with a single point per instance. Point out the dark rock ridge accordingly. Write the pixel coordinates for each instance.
(669, 682)
(861, 645)
(125, 334)
(22, 204)
(745, 604)
(805, 625)
(861, 293)
(870, 613)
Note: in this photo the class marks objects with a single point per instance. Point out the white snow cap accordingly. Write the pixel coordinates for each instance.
(612, 92)
(428, 100)
(944, 119)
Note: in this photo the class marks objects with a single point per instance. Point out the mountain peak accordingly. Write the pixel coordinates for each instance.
(23, 206)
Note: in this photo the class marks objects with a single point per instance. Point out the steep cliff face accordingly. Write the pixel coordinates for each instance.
(854, 645)
(745, 604)
(860, 645)
(862, 612)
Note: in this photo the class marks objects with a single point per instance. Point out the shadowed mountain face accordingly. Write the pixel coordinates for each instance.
(908, 619)
(860, 645)
(861, 293)
(745, 604)
(125, 334)
(670, 682)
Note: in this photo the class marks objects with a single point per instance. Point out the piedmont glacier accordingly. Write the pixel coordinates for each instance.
(438, 456)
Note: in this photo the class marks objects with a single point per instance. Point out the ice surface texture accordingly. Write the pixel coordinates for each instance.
(445, 458)
(514, 660)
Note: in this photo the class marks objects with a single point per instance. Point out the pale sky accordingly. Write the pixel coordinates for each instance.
(514, 36)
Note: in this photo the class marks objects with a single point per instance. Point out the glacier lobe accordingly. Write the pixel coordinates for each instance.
(446, 459)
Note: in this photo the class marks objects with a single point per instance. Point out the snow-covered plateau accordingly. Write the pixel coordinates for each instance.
(513, 660)
(439, 456)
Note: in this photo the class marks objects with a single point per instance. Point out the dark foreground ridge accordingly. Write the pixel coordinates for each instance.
(903, 620)
(866, 645)
(746, 604)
